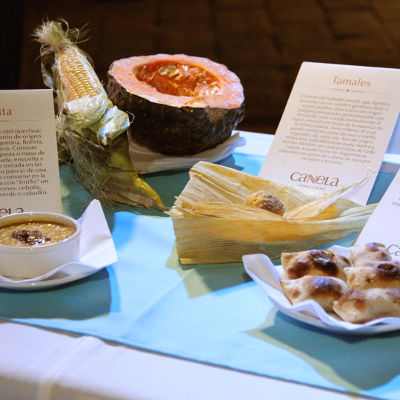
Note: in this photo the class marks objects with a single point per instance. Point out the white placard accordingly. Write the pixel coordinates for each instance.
(383, 225)
(335, 129)
(29, 177)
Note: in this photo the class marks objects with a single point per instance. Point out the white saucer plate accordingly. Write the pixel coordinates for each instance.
(77, 272)
(268, 276)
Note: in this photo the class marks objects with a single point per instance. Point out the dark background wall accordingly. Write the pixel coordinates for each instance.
(262, 41)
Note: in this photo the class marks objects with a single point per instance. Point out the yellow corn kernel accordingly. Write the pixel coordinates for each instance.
(77, 75)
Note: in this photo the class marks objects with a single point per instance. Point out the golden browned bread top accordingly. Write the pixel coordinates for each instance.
(369, 253)
(323, 286)
(323, 289)
(311, 262)
(364, 305)
(378, 275)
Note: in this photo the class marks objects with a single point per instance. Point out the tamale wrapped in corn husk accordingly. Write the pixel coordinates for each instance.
(91, 131)
(213, 225)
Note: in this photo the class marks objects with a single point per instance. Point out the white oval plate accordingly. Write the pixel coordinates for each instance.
(268, 276)
(146, 161)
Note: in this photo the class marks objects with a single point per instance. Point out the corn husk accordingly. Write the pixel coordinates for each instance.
(91, 131)
(212, 224)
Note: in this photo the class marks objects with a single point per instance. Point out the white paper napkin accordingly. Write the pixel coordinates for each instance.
(97, 248)
(146, 161)
(268, 277)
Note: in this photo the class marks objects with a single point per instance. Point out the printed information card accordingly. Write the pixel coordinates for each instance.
(29, 179)
(335, 129)
(383, 225)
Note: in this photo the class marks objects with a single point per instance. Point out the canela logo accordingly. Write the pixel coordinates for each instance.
(304, 177)
(394, 250)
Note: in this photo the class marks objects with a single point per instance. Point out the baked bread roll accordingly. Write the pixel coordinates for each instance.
(360, 306)
(368, 254)
(313, 262)
(380, 275)
(322, 289)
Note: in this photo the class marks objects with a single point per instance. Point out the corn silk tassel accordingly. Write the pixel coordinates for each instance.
(90, 129)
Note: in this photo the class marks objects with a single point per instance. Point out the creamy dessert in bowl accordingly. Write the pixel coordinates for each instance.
(34, 243)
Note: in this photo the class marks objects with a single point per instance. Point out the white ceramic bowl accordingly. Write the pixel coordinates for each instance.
(36, 260)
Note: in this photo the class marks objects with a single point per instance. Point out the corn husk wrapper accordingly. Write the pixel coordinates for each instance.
(91, 131)
(212, 224)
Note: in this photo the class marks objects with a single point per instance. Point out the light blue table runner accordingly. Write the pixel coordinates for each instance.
(208, 313)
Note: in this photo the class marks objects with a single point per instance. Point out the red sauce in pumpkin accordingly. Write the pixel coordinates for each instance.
(178, 79)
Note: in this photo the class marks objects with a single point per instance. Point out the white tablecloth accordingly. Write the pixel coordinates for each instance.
(42, 365)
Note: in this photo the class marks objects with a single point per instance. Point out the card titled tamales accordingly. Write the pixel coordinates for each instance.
(383, 225)
(29, 178)
(335, 129)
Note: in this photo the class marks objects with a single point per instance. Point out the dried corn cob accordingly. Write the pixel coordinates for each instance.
(77, 75)
(89, 126)
(67, 70)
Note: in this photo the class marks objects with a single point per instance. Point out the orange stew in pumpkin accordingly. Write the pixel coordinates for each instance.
(178, 79)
